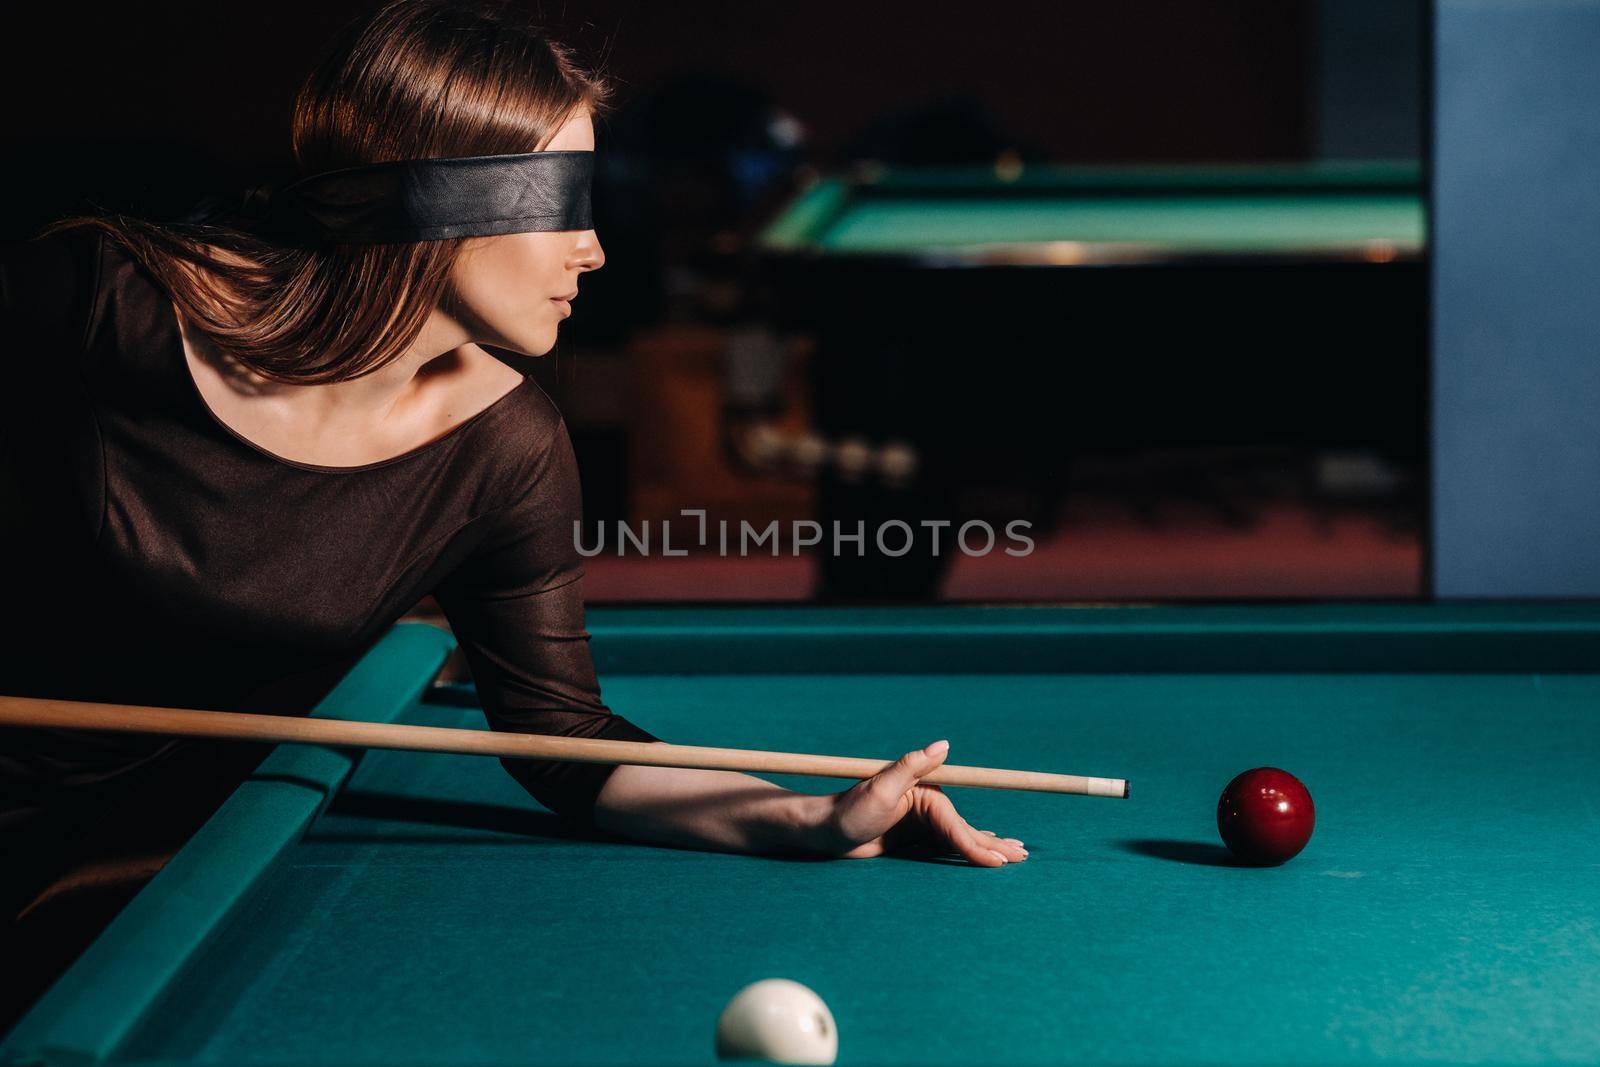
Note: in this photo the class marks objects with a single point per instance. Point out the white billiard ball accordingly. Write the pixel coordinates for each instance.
(778, 1020)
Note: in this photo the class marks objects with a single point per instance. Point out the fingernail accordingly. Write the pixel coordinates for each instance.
(938, 748)
(999, 856)
(1023, 851)
(1013, 841)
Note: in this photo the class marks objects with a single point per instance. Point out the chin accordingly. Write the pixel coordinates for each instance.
(543, 348)
(538, 345)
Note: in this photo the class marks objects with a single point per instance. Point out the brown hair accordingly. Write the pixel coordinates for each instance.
(415, 79)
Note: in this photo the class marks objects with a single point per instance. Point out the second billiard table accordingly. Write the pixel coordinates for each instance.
(1243, 303)
(1004, 324)
(408, 908)
(1103, 216)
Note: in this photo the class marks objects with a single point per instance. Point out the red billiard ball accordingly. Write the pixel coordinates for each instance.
(1265, 816)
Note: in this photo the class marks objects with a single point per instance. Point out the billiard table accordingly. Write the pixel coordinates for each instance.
(1004, 323)
(1103, 216)
(407, 908)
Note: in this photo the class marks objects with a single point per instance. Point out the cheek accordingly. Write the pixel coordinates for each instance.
(535, 260)
(514, 277)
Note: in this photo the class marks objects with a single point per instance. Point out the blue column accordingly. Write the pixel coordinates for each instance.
(1516, 299)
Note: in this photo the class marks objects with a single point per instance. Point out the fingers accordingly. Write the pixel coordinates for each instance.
(894, 787)
(1010, 847)
(874, 806)
(982, 850)
(891, 783)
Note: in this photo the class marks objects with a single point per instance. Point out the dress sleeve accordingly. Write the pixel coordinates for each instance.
(516, 606)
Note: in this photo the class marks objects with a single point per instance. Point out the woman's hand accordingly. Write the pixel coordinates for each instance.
(892, 812)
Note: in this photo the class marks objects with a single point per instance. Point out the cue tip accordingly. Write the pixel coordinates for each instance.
(1124, 789)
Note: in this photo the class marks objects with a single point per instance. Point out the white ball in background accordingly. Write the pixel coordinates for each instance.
(778, 1020)
(852, 458)
(810, 452)
(763, 444)
(898, 462)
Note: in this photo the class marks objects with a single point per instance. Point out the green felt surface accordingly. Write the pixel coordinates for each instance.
(1182, 210)
(1195, 223)
(1446, 910)
(1315, 638)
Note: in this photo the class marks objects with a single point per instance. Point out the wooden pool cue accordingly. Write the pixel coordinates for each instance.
(293, 729)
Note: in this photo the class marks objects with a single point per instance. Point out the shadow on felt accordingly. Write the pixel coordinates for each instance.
(1197, 853)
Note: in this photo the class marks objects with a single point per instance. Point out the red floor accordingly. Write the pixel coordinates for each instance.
(1109, 555)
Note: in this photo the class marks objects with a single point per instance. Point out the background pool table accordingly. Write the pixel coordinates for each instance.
(407, 908)
(1098, 216)
(1007, 324)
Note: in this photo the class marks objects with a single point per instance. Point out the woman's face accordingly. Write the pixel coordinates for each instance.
(513, 290)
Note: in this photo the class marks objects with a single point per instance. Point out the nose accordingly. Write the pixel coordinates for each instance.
(587, 253)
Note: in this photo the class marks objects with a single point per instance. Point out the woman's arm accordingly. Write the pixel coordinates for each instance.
(516, 606)
(515, 603)
(732, 812)
(722, 811)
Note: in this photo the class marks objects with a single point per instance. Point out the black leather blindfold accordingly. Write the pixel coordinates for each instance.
(435, 199)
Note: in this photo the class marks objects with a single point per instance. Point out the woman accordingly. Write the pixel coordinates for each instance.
(249, 442)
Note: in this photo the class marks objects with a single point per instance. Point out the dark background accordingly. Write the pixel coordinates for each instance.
(150, 104)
